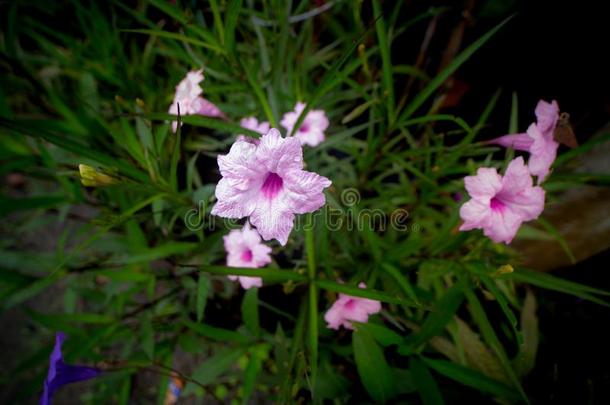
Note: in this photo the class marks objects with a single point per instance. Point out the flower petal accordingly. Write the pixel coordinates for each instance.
(475, 214)
(542, 153)
(502, 226)
(486, 183)
(547, 115)
(516, 141)
(306, 190)
(273, 219)
(279, 155)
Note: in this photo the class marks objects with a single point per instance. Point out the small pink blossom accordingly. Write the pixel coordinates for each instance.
(245, 249)
(348, 308)
(188, 96)
(252, 123)
(538, 140)
(499, 205)
(311, 131)
(267, 183)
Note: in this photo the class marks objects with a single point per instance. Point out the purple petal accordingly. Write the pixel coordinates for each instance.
(515, 141)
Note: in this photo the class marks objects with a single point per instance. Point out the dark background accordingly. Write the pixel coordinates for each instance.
(554, 50)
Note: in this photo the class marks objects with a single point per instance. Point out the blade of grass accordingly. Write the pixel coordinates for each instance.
(386, 61)
(480, 318)
(435, 83)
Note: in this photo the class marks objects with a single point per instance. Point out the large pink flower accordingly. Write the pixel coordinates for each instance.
(188, 96)
(245, 249)
(267, 183)
(538, 140)
(253, 124)
(348, 308)
(311, 131)
(499, 205)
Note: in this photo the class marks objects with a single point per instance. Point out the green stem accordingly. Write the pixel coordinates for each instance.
(313, 301)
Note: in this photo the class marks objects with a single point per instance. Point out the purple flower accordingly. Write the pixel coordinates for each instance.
(499, 205)
(61, 374)
(245, 249)
(311, 131)
(348, 308)
(267, 183)
(538, 140)
(188, 96)
(253, 124)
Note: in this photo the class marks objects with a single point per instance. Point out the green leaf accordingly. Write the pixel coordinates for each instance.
(362, 292)
(480, 317)
(526, 357)
(31, 290)
(429, 391)
(148, 338)
(504, 306)
(253, 369)
(375, 374)
(202, 296)
(383, 335)
(37, 130)
(158, 252)
(10, 205)
(441, 315)
(266, 274)
(211, 368)
(401, 280)
(218, 334)
(205, 122)
(548, 281)
(557, 236)
(233, 8)
(249, 311)
(386, 61)
(472, 378)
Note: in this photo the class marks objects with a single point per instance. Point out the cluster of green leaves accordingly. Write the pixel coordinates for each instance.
(142, 278)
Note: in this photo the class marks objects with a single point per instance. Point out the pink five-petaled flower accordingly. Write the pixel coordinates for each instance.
(348, 308)
(188, 96)
(499, 205)
(245, 249)
(267, 183)
(538, 140)
(253, 124)
(311, 131)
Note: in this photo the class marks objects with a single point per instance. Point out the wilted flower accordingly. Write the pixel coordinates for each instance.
(538, 140)
(188, 96)
(499, 205)
(252, 123)
(311, 131)
(348, 308)
(61, 374)
(267, 183)
(245, 249)
(90, 177)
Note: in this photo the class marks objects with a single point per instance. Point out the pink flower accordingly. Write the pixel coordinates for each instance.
(267, 183)
(348, 308)
(311, 131)
(253, 124)
(499, 205)
(538, 140)
(245, 249)
(188, 96)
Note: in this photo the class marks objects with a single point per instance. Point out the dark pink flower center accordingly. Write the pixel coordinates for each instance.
(496, 204)
(304, 127)
(246, 256)
(272, 186)
(349, 304)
